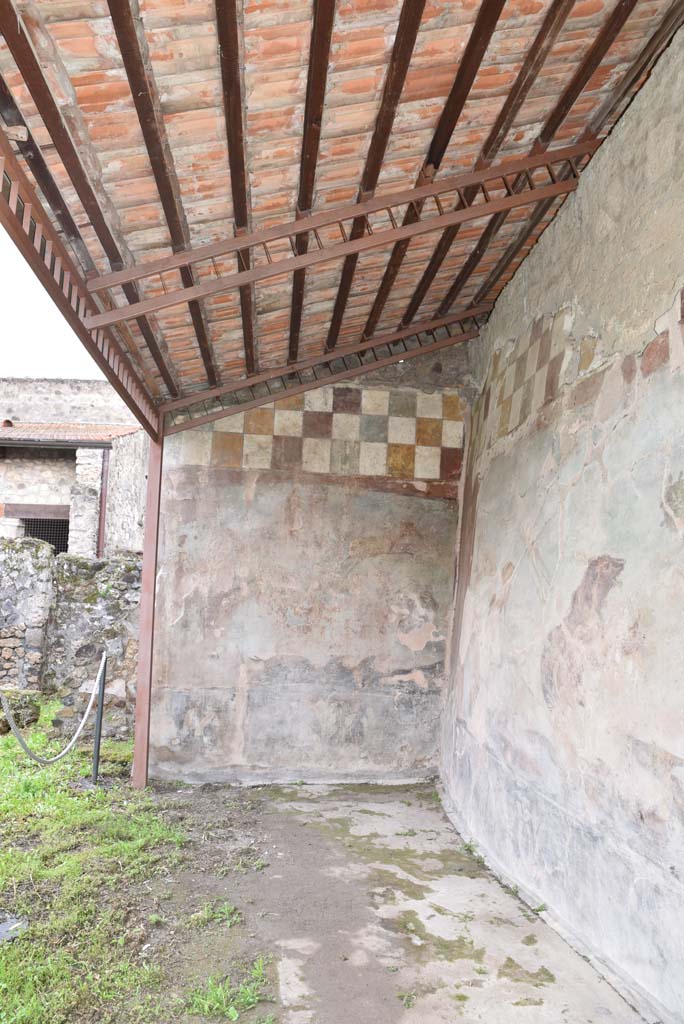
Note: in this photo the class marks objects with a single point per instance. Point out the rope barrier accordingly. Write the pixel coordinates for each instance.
(58, 757)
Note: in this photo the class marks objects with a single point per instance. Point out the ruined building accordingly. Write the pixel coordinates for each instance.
(395, 291)
(72, 466)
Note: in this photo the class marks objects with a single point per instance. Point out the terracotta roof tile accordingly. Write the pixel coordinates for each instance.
(77, 47)
(69, 433)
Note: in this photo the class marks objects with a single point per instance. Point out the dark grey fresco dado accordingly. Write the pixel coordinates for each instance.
(323, 612)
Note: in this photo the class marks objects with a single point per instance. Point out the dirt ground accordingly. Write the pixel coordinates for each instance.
(367, 908)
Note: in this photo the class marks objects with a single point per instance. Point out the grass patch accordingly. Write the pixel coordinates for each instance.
(219, 998)
(67, 853)
(216, 913)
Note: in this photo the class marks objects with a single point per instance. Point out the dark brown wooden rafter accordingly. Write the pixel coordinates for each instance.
(639, 68)
(130, 36)
(349, 373)
(554, 20)
(38, 57)
(472, 313)
(229, 56)
(343, 364)
(25, 58)
(30, 151)
(586, 69)
(480, 37)
(32, 231)
(33, 157)
(591, 63)
(621, 95)
(321, 37)
(402, 51)
(494, 194)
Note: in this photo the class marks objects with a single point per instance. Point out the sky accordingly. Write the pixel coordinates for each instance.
(35, 339)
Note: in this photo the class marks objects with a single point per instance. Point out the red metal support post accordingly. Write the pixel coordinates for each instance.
(104, 487)
(143, 695)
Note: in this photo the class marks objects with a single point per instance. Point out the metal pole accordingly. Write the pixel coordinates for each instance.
(101, 680)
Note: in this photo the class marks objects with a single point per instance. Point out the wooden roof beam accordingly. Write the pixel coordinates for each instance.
(130, 34)
(32, 231)
(588, 66)
(21, 47)
(402, 51)
(555, 18)
(33, 157)
(229, 56)
(621, 94)
(383, 350)
(12, 116)
(321, 37)
(200, 397)
(473, 55)
(499, 197)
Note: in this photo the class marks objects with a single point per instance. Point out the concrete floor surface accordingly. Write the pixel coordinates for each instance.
(377, 912)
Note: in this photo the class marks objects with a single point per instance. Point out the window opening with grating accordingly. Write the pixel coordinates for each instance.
(54, 531)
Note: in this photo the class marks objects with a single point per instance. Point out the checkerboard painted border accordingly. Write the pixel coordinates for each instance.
(344, 430)
(522, 380)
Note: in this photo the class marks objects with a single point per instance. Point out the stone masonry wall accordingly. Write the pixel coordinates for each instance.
(26, 593)
(37, 478)
(57, 614)
(95, 607)
(124, 524)
(563, 737)
(39, 400)
(306, 570)
(53, 478)
(85, 503)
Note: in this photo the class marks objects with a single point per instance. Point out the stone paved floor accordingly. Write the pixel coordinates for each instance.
(376, 912)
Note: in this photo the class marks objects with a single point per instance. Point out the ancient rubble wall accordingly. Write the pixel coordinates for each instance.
(26, 595)
(84, 516)
(306, 571)
(126, 490)
(45, 477)
(30, 477)
(57, 615)
(94, 608)
(563, 740)
(42, 400)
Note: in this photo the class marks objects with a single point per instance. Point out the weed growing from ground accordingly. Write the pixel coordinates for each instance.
(216, 913)
(66, 852)
(220, 998)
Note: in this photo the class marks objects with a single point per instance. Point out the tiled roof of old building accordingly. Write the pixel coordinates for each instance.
(167, 125)
(68, 433)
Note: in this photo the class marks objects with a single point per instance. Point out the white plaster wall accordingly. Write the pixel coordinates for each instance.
(563, 741)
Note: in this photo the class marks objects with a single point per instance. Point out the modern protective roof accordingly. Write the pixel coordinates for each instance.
(163, 127)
